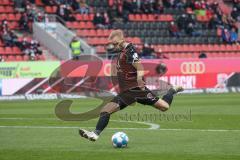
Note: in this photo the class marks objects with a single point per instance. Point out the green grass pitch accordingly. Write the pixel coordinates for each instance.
(196, 127)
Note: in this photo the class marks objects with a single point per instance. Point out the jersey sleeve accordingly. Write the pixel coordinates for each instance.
(132, 55)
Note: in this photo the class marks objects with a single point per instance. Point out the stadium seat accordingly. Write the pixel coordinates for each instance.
(8, 50)
(16, 50)
(25, 57)
(39, 2)
(19, 58)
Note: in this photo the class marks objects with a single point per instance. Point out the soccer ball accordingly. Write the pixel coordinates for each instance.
(120, 140)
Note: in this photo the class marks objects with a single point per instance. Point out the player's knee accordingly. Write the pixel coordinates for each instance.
(110, 108)
(162, 105)
(163, 108)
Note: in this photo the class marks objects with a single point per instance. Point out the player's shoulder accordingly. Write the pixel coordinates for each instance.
(130, 48)
(131, 53)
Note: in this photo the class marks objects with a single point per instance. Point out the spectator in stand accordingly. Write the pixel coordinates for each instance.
(23, 22)
(31, 49)
(191, 31)
(158, 7)
(128, 6)
(4, 26)
(182, 22)
(6, 38)
(35, 46)
(147, 52)
(226, 35)
(180, 4)
(49, 2)
(64, 11)
(147, 7)
(233, 36)
(236, 4)
(202, 55)
(113, 13)
(24, 45)
(82, 7)
(235, 14)
(214, 22)
(99, 20)
(173, 30)
(107, 21)
(19, 3)
(14, 38)
(9, 38)
(166, 3)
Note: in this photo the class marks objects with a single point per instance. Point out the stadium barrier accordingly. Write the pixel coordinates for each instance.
(18, 78)
(54, 96)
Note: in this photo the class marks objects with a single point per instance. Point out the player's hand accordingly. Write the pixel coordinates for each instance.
(141, 84)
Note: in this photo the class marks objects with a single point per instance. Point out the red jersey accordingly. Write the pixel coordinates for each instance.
(126, 72)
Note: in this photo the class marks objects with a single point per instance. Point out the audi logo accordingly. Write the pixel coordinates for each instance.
(192, 67)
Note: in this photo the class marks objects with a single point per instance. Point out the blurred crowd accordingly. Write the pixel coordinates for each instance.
(10, 39)
(119, 10)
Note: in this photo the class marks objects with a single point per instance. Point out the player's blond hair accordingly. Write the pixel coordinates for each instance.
(117, 36)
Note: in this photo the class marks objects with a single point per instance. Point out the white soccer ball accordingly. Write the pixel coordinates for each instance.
(120, 140)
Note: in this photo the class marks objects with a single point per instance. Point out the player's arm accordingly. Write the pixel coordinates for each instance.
(133, 58)
(140, 73)
(139, 68)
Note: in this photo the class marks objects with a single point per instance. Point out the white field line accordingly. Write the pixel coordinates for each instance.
(170, 129)
(152, 126)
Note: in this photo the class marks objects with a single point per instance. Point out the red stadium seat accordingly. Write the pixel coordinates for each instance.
(144, 17)
(137, 17)
(39, 2)
(18, 16)
(69, 24)
(91, 17)
(25, 57)
(8, 50)
(10, 58)
(86, 17)
(48, 9)
(16, 50)
(3, 16)
(79, 17)
(89, 25)
(2, 10)
(8, 9)
(19, 58)
(75, 25)
(131, 17)
(2, 50)
(92, 33)
(151, 17)
(100, 33)
(11, 17)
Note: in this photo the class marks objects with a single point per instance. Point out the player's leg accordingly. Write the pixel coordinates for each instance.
(105, 113)
(164, 103)
(103, 121)
(118, 103)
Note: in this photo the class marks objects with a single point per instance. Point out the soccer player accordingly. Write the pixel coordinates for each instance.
(131, 84)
